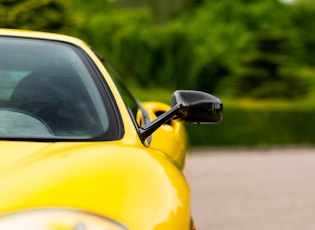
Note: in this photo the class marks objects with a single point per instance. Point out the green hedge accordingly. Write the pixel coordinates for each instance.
(248, 122)
(258, 127)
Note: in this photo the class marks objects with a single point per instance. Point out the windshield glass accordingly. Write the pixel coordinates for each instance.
(48, 91)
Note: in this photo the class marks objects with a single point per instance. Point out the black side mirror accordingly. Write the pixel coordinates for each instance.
(188, 106)
(197, 107)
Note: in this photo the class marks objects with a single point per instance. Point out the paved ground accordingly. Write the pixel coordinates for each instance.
(253, 189)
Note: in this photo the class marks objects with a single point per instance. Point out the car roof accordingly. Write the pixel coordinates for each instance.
(41, 35)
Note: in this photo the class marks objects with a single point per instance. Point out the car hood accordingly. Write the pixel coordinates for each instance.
(132, 184)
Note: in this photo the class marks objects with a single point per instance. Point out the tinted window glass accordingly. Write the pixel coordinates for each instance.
(133, 105)
(48, 91)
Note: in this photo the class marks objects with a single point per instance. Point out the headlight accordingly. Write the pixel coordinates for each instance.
(57, 219)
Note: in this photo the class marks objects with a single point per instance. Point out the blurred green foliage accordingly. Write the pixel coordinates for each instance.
(258, 49)
(240, 48)
(266, 127)
(45, 15)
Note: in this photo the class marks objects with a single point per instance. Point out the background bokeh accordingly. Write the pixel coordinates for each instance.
(256, 55)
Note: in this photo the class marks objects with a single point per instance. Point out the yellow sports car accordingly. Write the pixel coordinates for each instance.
(78, 151)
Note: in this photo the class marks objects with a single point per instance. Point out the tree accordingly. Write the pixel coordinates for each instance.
(163, 10)
(263, 77)
(47, 15)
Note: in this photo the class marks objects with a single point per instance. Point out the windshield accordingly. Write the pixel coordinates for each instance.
(48, 91)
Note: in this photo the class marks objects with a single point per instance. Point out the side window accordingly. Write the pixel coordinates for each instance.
(131, 102)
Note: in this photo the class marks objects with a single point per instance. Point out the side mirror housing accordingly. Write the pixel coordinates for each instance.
(197, 107)
(188, 106)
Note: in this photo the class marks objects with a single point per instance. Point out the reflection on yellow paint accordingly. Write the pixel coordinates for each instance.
(57, 219)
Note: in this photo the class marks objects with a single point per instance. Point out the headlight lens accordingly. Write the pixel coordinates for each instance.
(58, 219)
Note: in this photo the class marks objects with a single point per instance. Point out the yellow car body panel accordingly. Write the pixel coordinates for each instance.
(172, 132)
(105, 178)
(136, 185)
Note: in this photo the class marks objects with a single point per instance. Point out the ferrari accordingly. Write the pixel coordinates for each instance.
(79, 152)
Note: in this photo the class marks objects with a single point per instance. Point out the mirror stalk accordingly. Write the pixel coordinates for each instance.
(149, 128)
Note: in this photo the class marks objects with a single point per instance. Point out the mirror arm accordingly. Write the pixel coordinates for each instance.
(149, 128)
